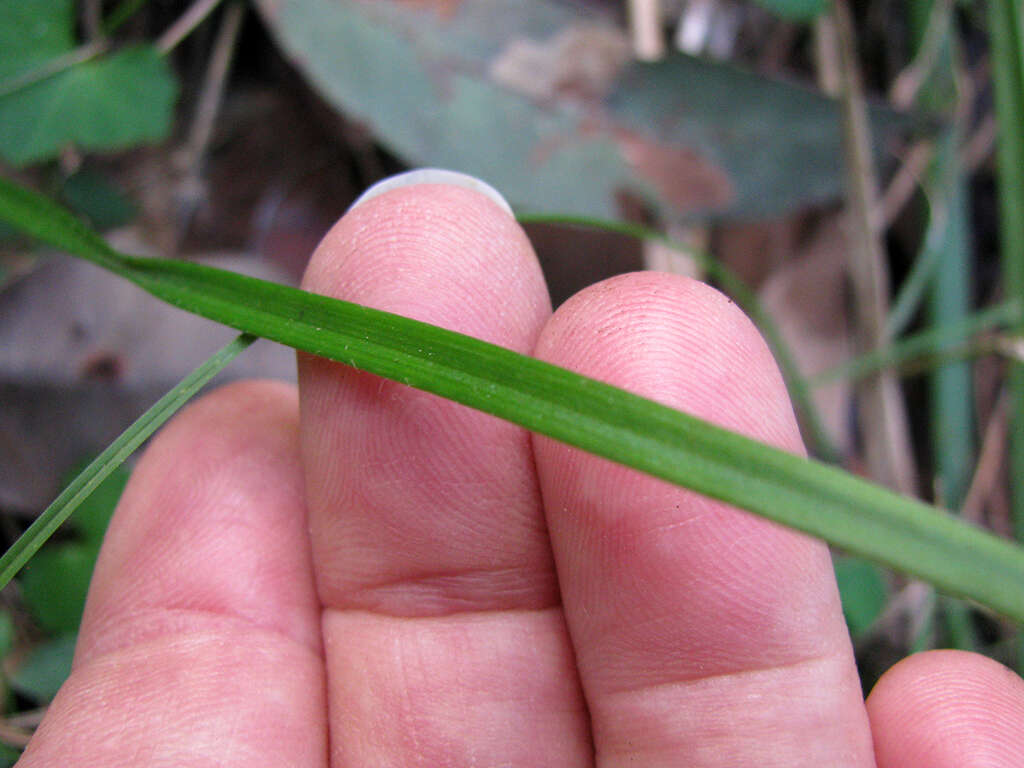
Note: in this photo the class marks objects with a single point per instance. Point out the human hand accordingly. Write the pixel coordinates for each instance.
(361, 574)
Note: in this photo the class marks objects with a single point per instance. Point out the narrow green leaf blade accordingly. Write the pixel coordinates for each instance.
(937, 341)
(860, 517)
(43, 219)
(821, 500)
(1006, 30)
(103, 465)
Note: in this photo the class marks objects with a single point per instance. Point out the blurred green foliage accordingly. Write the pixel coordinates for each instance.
(53, 94)
(863, 590)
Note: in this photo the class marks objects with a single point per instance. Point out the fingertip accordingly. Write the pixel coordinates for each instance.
(946, 709)
(400, 246)
(699, 351)
(434, 176)
(685, 344)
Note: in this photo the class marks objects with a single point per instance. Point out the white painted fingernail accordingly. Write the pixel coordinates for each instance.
(433, 176)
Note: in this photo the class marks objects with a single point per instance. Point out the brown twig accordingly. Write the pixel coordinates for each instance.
(1009, 346)
(14, 737)
(826, 48)
(92, 19)
(986, 474)
(645, 28)
(184, 25)
(29, 719)
(882, 415)
(980, 144)
(189, 160)
(16, 730)
(906, 609)
(213, 86)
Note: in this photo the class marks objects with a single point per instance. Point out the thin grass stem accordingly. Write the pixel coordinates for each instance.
(21, 551)
(937, 341)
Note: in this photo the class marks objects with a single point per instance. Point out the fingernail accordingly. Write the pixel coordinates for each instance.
(433, 176)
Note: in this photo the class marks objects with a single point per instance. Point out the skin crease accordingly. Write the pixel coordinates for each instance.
(367, 575)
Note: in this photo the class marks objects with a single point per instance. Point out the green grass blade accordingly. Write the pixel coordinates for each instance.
(945, 340)
(37, 216)
(908, 301)
(813, 497)
(951, 385)
(951, 401)
(821, 443)
(100, 468)
(1006, 36)
(1006, 30)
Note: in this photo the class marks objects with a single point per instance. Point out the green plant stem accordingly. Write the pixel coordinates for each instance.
(1006, 34)
(951, 401)
(950, 405)
(1006, 19)
(938, 341)
(110, 459)
(908, 300)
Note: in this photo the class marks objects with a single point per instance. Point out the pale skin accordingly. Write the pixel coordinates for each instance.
(360, 574)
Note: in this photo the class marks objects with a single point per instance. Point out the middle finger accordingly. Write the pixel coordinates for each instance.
(443, 629)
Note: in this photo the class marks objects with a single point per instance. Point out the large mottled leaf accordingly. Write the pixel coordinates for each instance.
(104, 104)
(543, 100)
